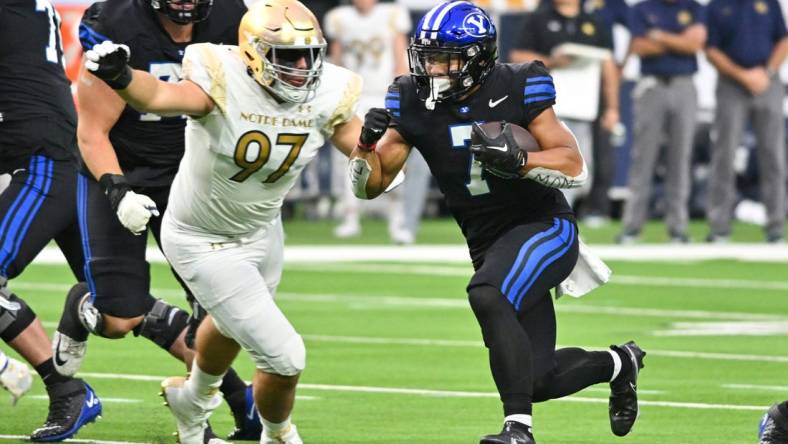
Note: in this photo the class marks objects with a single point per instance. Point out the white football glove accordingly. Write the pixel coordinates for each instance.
(135, 210)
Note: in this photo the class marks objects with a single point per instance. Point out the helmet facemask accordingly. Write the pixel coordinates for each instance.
(444, 74)
(183, 12)
(292, 72)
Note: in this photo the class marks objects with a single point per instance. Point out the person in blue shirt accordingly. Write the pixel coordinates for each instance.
(667, 35)
(747, 44)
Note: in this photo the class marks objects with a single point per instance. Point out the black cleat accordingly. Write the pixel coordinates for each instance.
(247, 421)
(623, 404)
(774, 427)
(513, 433)
(72, 404)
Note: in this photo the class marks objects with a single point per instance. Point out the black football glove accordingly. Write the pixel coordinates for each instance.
(499, 155)
(376, 121)
(110, 62)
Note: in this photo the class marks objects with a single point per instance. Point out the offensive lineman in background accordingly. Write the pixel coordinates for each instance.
(38, 148)
(521, 232)
(129, 162)
(258, 114)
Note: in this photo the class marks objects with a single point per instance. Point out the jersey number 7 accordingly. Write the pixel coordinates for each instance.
(460, 139)
(263, 152)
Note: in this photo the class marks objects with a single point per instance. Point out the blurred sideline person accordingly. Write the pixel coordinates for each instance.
(667, 35)
(774, 425)
(747, 44)
(38, 149)
(368, 38)
(258, 114)
(561, 21)
(521, 232)
(129, 162)
(597, 207)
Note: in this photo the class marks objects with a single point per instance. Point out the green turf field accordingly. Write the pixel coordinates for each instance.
(395, 356)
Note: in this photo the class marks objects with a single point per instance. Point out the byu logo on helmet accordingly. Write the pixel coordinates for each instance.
(476, 25)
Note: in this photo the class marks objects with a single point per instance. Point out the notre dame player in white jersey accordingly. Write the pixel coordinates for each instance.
(258, 114)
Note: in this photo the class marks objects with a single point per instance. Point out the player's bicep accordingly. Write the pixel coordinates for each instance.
(182, 98)
(99, 107)
(553, 135)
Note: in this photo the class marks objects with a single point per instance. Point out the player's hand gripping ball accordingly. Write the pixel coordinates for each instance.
(502, 148)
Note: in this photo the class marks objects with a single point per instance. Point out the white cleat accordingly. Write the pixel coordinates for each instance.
(190, 417)
(67, 354)
(16, 378)
(347, 230)
(287, 436)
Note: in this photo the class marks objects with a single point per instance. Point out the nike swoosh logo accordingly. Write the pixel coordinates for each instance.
(493, 103)
(250, 415)
(92, 401)
(634, 387)
(498, 148)
(58, 361)
(20, 170)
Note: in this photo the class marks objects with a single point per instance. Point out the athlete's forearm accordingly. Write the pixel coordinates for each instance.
(98, 155)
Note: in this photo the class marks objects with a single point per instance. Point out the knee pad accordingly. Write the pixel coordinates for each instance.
(162, 324)
(288, 360)
(15, 314)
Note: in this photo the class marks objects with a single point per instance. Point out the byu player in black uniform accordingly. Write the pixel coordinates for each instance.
(129, 162)
(38, 148)
(520, 231)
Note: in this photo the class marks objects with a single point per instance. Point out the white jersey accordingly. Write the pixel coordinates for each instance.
(244, 156)
(368, 41)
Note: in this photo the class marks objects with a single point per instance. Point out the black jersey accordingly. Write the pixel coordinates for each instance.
(150, 147)
(485, 206)
(36, 108)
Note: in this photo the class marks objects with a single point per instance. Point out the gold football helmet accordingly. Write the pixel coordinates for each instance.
(283, 48)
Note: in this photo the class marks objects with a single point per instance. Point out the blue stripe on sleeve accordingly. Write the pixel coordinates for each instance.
(89, 37)
(544, 88)
(539, 98)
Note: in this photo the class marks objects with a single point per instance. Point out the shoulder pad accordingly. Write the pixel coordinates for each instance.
(91, 29)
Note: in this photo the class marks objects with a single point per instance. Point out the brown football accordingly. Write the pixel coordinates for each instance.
(524, 139)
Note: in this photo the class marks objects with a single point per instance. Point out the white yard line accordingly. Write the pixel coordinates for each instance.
(448, 393)
(459, 253)
(765, 388)
(89, 441)
(103, 399)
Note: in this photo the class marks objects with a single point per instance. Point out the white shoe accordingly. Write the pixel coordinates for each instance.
(402, 237)
(347, 230)
(190, 417)
(67, 354)
(16, 378)
(289, 436)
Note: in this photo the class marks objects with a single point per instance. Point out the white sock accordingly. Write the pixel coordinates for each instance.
(522, 419)
(3, 361)
(275, 429)
(616, 364)
(202, 386)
